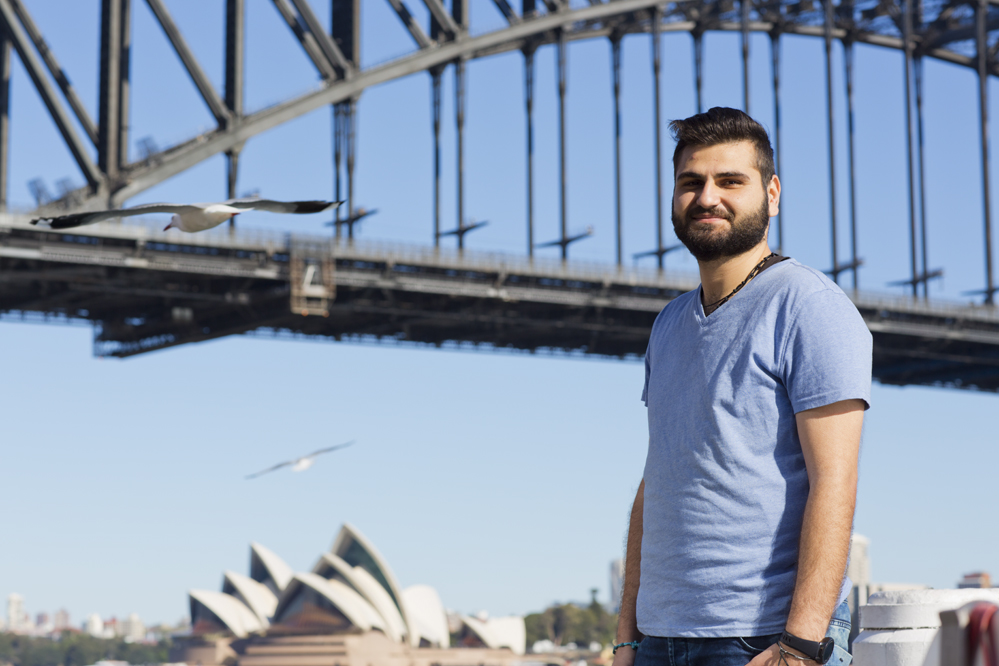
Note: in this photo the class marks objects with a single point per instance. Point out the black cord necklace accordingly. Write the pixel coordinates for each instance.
(711, 307)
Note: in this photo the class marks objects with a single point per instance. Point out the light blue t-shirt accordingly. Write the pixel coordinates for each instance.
(725, 479)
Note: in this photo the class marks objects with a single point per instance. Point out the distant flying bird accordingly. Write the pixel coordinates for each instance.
(188, 217)
(300, 464)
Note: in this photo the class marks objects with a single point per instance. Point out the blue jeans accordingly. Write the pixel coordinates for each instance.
(737, 651)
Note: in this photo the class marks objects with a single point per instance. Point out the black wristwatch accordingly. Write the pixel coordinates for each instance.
(820, 652)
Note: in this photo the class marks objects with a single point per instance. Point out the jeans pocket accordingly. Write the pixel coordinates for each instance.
(756, 644)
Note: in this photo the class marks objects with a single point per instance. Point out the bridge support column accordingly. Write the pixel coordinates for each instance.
(5, 45)
(459, 119)
(234, 47)
(563, 213)
(345, 29)
(828, 25)
(615, 41)
(350, 133)
(109, 123)
(981, 39)
(337, 163)
(848, 65)
(927, 274)
(744, 8)
(775, 56)
(529, 104)
(698, 34)
(907, 55)
(657, 18)
(435, 93)
(124, 80)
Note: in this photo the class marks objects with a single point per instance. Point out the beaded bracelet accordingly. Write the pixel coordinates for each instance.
(633, 645)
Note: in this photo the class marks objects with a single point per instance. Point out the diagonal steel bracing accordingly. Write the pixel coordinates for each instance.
(48, 57)
(215, 103)
(308, 40)
(29, 59)
(326, 44)
(412, 26)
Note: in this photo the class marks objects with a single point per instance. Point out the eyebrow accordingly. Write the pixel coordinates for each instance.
(726, 174)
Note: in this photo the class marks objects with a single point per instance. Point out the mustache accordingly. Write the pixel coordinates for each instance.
(699, 211)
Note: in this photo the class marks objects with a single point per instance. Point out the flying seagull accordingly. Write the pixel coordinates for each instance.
(188, 217)
(300, 464)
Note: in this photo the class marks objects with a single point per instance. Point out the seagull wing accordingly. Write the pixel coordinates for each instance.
(74, 220)
(328, 449)
(272, 206)
(270, 469)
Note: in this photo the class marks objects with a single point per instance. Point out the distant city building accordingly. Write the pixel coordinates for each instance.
(94, 625)
(60, 620)
(616, 584)
(43, 625)
(17, 619)
(132, 629)
(977, 579)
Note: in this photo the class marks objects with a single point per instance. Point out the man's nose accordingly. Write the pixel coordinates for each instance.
(709, 196)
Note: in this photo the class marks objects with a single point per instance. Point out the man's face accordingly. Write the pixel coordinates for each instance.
(720, 205)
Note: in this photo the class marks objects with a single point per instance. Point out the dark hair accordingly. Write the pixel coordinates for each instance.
(723, 125)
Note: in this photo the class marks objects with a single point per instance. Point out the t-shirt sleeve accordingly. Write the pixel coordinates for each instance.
(827, 353)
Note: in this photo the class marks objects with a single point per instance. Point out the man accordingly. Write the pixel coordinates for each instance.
(756, 385)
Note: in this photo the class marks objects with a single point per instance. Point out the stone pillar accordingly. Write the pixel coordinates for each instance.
(902, 628)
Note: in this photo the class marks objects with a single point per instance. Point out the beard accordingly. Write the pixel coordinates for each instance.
(709, 244)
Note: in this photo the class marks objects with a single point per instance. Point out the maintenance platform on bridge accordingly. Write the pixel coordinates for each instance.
(145, 290)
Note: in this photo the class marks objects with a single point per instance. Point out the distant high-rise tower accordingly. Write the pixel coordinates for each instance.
(616, 583)
(15, 613)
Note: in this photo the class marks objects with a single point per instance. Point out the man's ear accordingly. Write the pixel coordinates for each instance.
(773, 195)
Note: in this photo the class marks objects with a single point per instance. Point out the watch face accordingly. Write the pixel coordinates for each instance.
(826, 646)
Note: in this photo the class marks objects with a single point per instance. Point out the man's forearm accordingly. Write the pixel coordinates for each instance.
(830, 442)
(822, 555)
(627, 623)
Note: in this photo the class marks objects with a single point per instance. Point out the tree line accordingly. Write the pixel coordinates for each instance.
(76, 649)
(571, 623)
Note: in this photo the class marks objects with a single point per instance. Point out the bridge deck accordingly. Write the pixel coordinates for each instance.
(145, 290)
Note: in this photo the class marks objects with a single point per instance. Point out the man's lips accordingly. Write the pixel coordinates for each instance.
(708, 219)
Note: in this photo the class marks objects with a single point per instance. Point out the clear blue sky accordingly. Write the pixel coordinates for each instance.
(504, 480)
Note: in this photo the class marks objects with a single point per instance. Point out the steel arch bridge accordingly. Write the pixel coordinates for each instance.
(931, 345)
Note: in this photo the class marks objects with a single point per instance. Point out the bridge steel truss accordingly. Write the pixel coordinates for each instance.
(145, 290)
(957, 31)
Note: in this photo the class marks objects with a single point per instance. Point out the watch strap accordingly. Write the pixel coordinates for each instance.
(819, 651)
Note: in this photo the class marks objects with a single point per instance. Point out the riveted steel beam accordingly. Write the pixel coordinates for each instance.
(326, 44)
(55, 69)
(412, 26)
(307, 39)
(443, 18)
(45, 90)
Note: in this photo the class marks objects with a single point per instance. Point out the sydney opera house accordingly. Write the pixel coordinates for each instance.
(348, 611)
